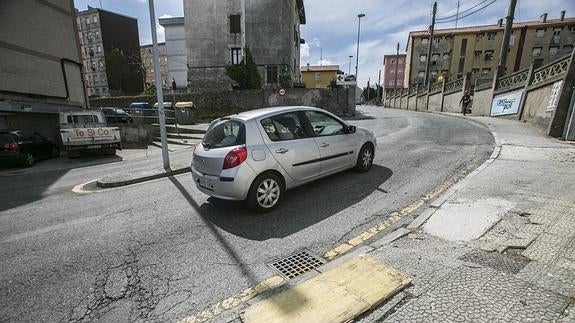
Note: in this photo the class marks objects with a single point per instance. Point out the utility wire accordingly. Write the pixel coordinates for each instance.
(464, 11)
(469, 14)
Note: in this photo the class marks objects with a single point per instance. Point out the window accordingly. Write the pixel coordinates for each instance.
(463, 47)
(287, 126)
(423, 58)
(572, 28)
(235, 24)
(424, 41)
(557, 31)
(98, 49)
(93, 66)
(391, 83)
(474, 71)
(536, 51)
(324, 125)
(272, 75)
(318, 76)
(421, 74)
(567, 49)
(399, 71)
(485, 71)
(434, 58)
(90, 36)
(101, 63)
(95, 19)
(489, 55)
(433, 74)
(82, 118)
(236, 56)
(540, 33)
(392, 72)
(491, 36)
(401, 61)
(553, 50)
(436, 40)
(392, 61)
(479, 36)
(446, 56)
(97, 35)
(477, 53)
(87, 20)
(225, 133)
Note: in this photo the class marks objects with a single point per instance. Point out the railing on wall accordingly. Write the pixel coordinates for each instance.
(513, 81)
(454, 86)
(412, 90)
(483, 83)
(421, 90)
(550, 71)
(435, 88)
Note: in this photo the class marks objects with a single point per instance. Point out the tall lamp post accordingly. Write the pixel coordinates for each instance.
(361, 15)
(349, 68)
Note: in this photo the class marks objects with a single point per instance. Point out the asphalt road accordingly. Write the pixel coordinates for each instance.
(162, 250)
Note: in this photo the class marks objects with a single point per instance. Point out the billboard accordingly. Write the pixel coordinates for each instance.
(506, 104)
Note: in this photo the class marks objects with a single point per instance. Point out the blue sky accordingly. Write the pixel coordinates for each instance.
(332, 24)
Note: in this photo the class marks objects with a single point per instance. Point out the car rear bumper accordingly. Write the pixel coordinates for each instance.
(8, 158)
(234, 187)
(93, 146)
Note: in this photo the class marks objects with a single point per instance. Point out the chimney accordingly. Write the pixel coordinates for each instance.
(308, 66)
(562, 17)
(543, 18)
(500, 23)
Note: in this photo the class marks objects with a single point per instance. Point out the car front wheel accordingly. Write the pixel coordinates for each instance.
(265, 193)
(29, 160)
(365, 158)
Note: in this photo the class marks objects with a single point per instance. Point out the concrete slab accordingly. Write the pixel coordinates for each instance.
(391, 237)
(421, 218)
(130, 178)
(467, 220)
(338, 295)
(364, 250)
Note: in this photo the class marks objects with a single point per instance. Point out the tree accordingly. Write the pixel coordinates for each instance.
(150, 90)
(285, 78)
(246, 73)
(117, 69)
(332, 84)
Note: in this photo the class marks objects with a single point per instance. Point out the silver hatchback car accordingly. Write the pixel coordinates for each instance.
(256, 155)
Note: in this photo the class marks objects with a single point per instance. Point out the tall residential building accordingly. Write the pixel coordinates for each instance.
(318, 77)
(218, 31)
(394, 68)
(108, 38)
(148, 65)
(476, 49)
(40, 65)
(176, 51)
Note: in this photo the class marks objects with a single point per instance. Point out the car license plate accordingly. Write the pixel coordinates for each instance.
(95, 146)
(207, 184)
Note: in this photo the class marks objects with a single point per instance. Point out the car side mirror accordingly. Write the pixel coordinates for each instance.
(351, 129)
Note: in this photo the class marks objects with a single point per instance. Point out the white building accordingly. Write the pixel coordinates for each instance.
(176, 50)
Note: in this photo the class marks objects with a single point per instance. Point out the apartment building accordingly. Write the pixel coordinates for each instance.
(218, 32)
(394, 69)
(476, 49)
(318, 77)
(176, 51)
(147, 55)
(110, 38)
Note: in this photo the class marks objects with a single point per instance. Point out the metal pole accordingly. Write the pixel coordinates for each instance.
(396, 66)
(506, 37)
(349, 68)
(378, 85)
(426, 79)
(159, 93)
(457, 15)
(361, 15)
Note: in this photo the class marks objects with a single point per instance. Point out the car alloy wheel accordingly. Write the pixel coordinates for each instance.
(29, 160)
(268, 193)
(365, 158)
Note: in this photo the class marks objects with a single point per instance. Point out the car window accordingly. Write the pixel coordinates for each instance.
(225, 133)
(324, 125)
(82, 119)
(285, 126)
(6, 138)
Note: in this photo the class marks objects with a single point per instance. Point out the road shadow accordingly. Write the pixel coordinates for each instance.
(301, 207)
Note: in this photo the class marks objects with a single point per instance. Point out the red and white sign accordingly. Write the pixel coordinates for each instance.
(282, 92)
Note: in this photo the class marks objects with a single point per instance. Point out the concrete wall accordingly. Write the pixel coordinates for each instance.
(411, 102)
(404, 102)
(211, 105)
(535, 105)
(451, 102)
(434, 102)
(135, 135)
(422, 103)
(176, 50)
(482, 102)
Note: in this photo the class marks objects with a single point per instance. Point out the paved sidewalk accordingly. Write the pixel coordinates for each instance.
(498, 246)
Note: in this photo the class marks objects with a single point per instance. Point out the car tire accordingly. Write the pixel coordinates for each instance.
(265, 193)
(55, 152)
(364, 159)
(29, 160)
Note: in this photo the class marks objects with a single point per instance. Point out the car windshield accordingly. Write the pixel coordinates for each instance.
(5, 138)
(225, 133)
(82, 119)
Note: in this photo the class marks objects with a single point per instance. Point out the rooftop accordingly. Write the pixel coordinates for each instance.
(171, 21)
(322, 68)
(259, 113)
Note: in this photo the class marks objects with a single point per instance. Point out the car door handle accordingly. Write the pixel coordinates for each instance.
(324, 145)
(282, 151)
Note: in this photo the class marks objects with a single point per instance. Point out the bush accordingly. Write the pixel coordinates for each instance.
(245, 74)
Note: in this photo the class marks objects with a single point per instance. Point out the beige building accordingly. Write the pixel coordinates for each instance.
(148, 65)
(318, 77)
(476, 49)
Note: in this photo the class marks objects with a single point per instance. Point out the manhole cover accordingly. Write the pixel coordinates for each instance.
(509, 263)
(296, 264)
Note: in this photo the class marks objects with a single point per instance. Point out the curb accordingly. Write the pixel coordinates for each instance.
(134, 178)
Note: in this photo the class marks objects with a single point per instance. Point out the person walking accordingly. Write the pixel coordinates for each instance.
(465, 102)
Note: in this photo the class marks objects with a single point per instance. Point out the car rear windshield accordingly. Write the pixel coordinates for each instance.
(225, 133)
(6, 138)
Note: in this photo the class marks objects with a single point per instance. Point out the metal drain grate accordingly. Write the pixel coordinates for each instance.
(296, 264)
(511, 264)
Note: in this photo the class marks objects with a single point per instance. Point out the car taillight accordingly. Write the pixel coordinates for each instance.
(11, 146)
(235, 157)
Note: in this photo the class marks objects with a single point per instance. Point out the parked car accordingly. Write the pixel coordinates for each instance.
(141, 109)
(115, 115)
(256, 155)
(23, 147)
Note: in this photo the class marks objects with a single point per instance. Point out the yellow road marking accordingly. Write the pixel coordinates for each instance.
(275, 281)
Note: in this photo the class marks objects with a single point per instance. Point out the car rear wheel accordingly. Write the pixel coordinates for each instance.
(365, 158)
(55, 152)
(29, 160)
(265, 193)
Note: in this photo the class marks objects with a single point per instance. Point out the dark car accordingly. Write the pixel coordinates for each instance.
(25, 148)
(115, 115)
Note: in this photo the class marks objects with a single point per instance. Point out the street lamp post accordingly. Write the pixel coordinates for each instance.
(361, 15)
(349, 68)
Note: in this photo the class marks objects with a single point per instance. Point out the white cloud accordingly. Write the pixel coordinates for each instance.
(304, 50)
(324, 62)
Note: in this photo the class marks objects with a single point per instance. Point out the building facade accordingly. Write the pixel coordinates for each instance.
(394, 69)
(219, 31)
(319, 77)
(476, 50)
(176, 51)
(110, 38)
(40, 65)
(148, 64)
